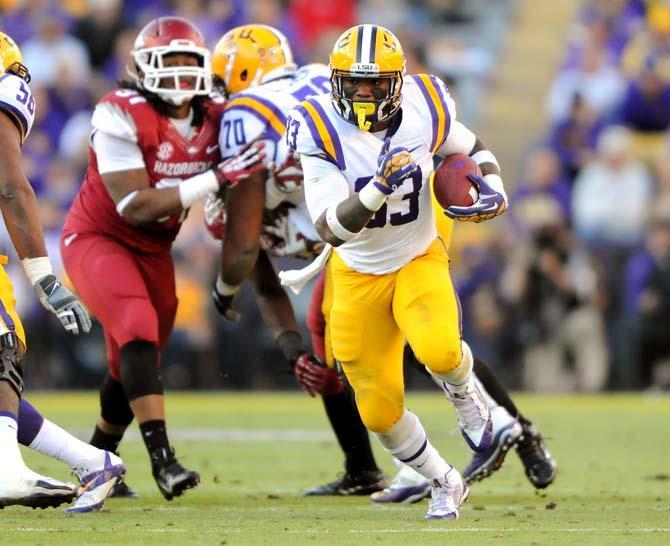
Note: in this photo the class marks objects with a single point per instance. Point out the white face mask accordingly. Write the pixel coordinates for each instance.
(153, 73)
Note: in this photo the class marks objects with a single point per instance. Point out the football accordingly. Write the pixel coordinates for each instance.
(451, 183)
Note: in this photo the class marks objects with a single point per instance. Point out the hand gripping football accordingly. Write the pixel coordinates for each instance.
(451, 183)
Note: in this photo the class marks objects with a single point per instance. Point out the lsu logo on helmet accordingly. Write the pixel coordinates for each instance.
(249, 55)
(11, 58)
(372, 52)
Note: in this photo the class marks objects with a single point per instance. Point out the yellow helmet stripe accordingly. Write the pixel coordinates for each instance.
(439, 112)
(323, 132)
(262, 109)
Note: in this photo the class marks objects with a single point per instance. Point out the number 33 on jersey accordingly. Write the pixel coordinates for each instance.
(404, 226)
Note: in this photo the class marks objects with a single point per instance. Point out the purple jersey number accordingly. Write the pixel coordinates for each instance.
(397, 218)
(26, 98)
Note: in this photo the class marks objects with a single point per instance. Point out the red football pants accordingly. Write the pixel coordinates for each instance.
(316, 322)
(131, 294)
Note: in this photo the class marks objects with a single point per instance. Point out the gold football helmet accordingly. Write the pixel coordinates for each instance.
(249, 55)
(11, 59)
(370, 52)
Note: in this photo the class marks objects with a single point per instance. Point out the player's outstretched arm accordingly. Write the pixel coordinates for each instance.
(139, 203)
(21, 216)
(343, 220)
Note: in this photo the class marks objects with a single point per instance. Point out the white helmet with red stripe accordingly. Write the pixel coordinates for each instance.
(166, 36)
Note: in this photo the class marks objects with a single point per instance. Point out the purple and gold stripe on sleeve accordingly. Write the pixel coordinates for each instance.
(323, 132)
(435, 97)
(264, 110)
(17, 117)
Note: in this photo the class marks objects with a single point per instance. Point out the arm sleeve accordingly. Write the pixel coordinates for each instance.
(116, 154)
(460, 140)
(17, 102)
(325, 185)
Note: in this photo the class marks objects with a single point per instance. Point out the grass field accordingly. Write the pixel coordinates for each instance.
(256, 451)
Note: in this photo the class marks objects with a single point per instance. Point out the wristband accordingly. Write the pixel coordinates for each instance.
(225, 289)
(372, 197)
(36, 268)
(342, 233)
(195, 188)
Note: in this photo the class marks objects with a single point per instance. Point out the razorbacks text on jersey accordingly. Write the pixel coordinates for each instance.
(18, 103)
(403, 227)
(168, 156)
(261, 112)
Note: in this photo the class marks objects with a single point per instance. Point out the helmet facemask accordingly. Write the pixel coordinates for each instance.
(368, 112)
(153, 72)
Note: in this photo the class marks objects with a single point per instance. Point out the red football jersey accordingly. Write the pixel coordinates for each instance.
(168, 157)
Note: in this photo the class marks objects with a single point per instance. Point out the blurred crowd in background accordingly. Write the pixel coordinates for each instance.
(570, 290)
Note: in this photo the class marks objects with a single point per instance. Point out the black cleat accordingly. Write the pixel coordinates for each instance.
(122, 491)
(538, 463)
(363, 483)
(171, 477)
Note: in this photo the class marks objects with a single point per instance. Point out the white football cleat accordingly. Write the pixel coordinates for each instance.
(474, 417)
(407, 487)
(24, 487)
(98, 478)
(447, 495)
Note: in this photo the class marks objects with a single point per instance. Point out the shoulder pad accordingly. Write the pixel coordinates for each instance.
(17, 101)
(262, 109)
(435, 98)
(311, 132)
(120, 112)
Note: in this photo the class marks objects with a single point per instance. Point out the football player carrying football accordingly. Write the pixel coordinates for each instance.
(257, 107)
(367, 155)
(154, 153)
(97, 470)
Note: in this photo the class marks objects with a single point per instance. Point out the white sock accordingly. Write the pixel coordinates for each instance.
(457, 380)
(407, 442)
(10, 454)
(55, 442)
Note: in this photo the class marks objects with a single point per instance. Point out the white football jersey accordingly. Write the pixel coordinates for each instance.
(17, 102)
(261, 111)
(404, 227)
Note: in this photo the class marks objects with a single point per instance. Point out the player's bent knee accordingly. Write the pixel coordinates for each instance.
(439, 354)
(114, 407)
(378, 412)
(139, 369)
(11, 361)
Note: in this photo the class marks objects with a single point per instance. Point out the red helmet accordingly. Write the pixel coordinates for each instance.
(166, 36)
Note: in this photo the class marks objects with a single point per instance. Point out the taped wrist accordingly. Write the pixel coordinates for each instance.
(114, 407)
(291, 345)
(37, 268)
(197, 187)
(140, 375)
(11, 363)
(372, 197)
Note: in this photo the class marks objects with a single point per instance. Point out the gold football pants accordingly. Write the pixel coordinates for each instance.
(371, 317)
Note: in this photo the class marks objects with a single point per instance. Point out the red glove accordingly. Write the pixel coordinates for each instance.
(315, 377)
(215, 216)
(246, 162)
